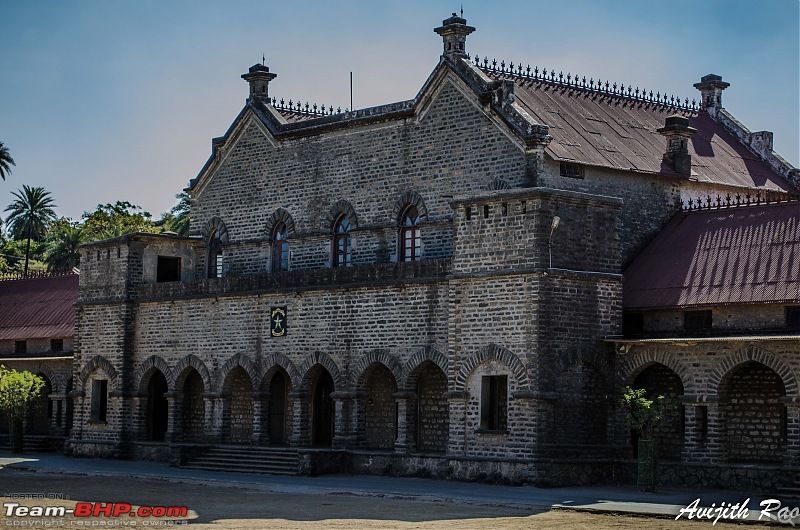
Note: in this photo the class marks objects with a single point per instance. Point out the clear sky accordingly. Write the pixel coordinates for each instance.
(111, 100)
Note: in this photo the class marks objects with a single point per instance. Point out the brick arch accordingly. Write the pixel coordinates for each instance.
(49, 374)
(769, 359)
(154, 361)
(216, 224)
(333, 213)
(322, 359)
(497, 184)
(181, 371)
(493, 352)
(377, 357)
(59, 383)
(428, 354)
(98, 361)
(279, 360)
(406, 199)
(242, 361)
(639, 362)
(592, 357)
(280, 216)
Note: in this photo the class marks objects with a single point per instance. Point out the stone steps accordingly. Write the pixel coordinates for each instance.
(32, 443)
(246, 459)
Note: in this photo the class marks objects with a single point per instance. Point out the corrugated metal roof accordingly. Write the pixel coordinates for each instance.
(746, 254)
(38, 308)
(617, 132)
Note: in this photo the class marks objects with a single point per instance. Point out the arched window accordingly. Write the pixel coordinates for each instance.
(342, 243)
(409, 234)
(280, 248)
(215, 255)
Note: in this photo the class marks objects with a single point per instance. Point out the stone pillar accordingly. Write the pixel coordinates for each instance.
(212, 420)
(540, 408)
(457, 437)
(172, 416)
(344, 436)
(54, 401)
(791, 453)
(715, 450)
(258, 418)
(138, 416)
(694, 431)
(406, 401)
(78, 419)
(301, 432)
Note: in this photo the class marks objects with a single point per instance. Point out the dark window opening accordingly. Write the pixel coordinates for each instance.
(524, 207)
(632, 323)
(56, 345)
(504, 209)
(168, 269)
(99, 400)
(494, 402)
(574, 171)
(215, 255)
(702, 422)
(793, 317)
(20, 346)
(59, 413)
(486, 211)
(697, 320)
(469, 213)
(280, 248)
(342, 242)
(410, 242)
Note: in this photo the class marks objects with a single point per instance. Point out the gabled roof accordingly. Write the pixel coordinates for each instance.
(600, 129)
(738, 255)
(38, 308)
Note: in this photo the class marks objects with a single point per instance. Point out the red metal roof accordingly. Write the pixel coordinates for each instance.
(617, 132)
(746, 254)
(38, 308)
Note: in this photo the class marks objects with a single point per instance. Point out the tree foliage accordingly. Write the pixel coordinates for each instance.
(31, 214)
(62, 249)
(5, 161)
(177, 219)
(18, 390)
(645, 416)
(118, 219)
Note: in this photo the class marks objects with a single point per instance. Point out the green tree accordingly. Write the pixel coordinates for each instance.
(31, 215)
(18, 391)
(62, 251)
(113, 220)
(5, 161)
(177, 219)
(646, 416)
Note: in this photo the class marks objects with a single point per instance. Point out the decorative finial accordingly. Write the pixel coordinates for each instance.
(462, 10)
(263, 60)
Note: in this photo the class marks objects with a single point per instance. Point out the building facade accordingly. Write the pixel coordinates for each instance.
(431, 287)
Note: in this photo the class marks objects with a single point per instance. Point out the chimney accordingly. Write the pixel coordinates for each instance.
(677, 131)
(259, 77)
(454, 31)
(711, 87)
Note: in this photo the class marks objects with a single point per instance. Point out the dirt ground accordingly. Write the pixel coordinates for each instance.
(234, 508)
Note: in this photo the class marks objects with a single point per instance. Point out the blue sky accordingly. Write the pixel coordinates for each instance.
(110, 100)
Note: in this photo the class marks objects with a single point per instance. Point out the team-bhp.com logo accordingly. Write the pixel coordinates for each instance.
(95, 509)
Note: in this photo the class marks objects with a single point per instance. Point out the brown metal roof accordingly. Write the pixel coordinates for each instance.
(38, 308)
(618, 132)
(740, 255)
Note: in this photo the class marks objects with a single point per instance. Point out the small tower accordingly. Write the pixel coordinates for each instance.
(677, 131)
(711, 87)
(454, 31)
(259, 77)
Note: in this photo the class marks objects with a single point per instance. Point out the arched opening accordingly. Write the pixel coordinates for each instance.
(157, 415)
(342, 243)
(278, 408)
(323, 412)
(659, 380)
(755, 420)
(37, 420)
(237, 421)
(280, 248)
(192, 407)
(432, 414)
(380, 409)
(70, 408)
(410, 241)
(215, 255)
(582, 407)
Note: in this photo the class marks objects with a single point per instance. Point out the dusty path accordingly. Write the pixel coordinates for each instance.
(234, 507)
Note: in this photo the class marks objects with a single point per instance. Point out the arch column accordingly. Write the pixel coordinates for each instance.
(715, 451)
(258, 416)
(212, 420)
(138, 415)
(301, 433)
(173, 410)
(457, 435)
(344, 429)
(57, 401)
(791, 453)
(405, 402)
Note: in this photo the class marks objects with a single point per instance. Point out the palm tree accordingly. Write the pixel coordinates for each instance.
(63, 253)
(177, 219)
(5, 161)
(31, 214)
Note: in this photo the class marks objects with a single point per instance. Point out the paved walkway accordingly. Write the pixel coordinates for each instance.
(617, 499)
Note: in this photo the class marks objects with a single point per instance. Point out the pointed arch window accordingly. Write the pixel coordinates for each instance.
(280, 248)
(215, 255)
(342, 242)
(410, 242)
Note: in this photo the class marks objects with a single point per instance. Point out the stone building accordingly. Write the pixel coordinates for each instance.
(37, 318)
(435, 287)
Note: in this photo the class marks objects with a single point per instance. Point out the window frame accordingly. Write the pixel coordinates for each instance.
(571, 170)
(280, 248)
(698, 321)
(494, 404)
(342, 243)
(410, 235)
(99, 404)
(793, 317)
(216, 255)
(20, 347)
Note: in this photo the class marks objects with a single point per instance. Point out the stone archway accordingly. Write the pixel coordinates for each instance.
(430, 418)
(237, 415)
(379, 411)
(323, 412)
(660, 380)
(192, 406)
